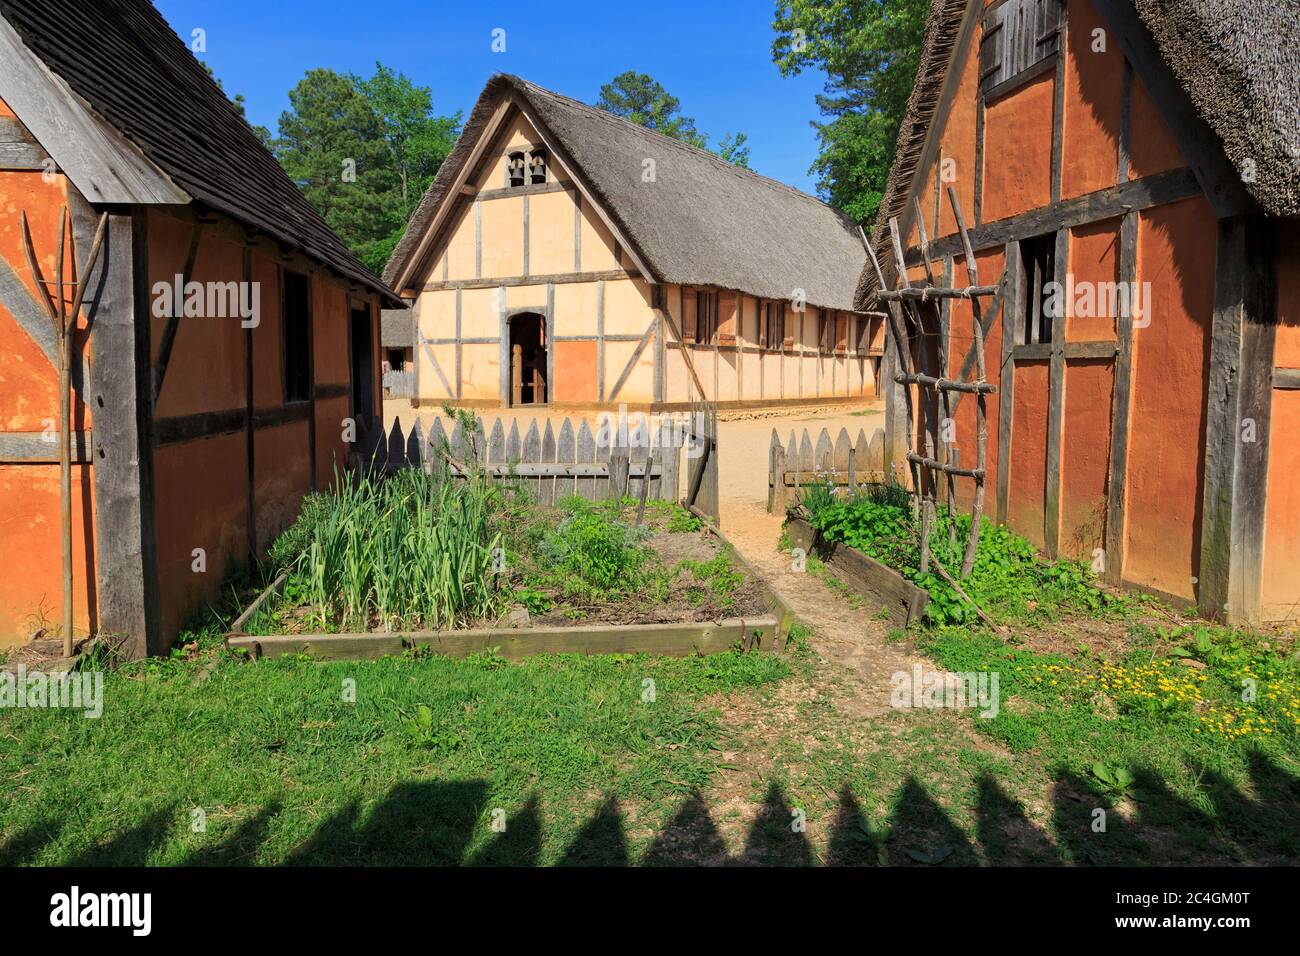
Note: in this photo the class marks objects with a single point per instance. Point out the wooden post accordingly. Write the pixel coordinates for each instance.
(516, 376)
(777, 495)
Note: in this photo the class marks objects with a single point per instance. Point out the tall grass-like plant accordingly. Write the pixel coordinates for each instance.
(408, 550)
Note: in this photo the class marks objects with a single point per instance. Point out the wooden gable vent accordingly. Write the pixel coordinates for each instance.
(1020, 39)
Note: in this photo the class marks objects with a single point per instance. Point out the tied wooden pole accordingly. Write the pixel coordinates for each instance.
(65, 434)
(65, 320)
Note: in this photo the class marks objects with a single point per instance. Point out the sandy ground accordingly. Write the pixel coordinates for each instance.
(853, 637)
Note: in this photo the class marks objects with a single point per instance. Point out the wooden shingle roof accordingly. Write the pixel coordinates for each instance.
(122, 60)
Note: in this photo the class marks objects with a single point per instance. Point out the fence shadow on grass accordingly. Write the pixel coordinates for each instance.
(435, 822)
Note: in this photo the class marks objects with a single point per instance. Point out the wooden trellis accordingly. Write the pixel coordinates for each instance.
(930, 459)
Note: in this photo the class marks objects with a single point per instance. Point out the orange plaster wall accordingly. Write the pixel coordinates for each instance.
(1094, 258)
(331, 451)
(1153, 149)
(1018, 150)
(1094, 94)
(1028, 479)
(959, 146)
(1286, 353)
(1281, 572)
(268, 342)
(1176, 254)
(206, 368)
(575, 372)
(202, 502)
(29, 393)
(1085, 455)
(282, 462)
(31, 551)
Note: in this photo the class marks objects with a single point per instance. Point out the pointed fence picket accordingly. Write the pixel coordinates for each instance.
(550, 463)
(824, 458)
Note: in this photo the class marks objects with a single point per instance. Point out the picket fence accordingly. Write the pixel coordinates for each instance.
(803, 460)
(549, 463)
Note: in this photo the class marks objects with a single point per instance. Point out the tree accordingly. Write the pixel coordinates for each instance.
(363, 152)
(732, 148)
(418, 141)
(643, 100)
(870, 51)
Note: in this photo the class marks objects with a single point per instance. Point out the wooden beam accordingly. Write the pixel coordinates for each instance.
(127, 558)
(1255, 403)
(42, 448)
(1121, 407)
(631, 362)
(672, 640)
(1198, 143)
(1013, 308)
(1109, 203)
(1056, 406)
(559, 278)
(600, 340)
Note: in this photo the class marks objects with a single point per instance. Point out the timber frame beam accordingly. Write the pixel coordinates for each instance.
(1239, 408)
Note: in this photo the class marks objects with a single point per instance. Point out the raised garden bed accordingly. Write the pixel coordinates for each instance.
(903, 601)
(577, 577)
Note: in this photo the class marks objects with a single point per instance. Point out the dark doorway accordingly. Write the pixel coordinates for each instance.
(363, 365)
(527, 359)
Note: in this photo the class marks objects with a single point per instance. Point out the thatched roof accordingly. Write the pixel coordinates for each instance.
(123, 60)
(1230, 56)
(397, 328)
(1239, 61)
(702, 221)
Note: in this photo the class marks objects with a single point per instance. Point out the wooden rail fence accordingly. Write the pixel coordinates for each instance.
(803, 460)
(550, 463)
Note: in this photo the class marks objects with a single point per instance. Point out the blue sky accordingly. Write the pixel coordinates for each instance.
(714, 56)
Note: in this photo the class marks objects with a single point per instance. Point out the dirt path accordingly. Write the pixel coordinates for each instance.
(854, 638)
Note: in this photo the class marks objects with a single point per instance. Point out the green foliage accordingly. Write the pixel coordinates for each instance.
(363, 151)
(409, 550)
(1008, 579)
(732, 148)
(593, 553)
(681, 521)
(870, 53)
(718, 576)
(642, 99)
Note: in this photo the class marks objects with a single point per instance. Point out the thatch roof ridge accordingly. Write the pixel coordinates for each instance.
(941, 30)
(662, 139)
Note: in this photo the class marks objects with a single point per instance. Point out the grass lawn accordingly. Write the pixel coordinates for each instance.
(731, 751)
(1124, 734)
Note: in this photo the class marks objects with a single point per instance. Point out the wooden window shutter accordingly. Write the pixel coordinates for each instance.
(992, 40)
(762, 324)
(1048, 28)
(728, 319)
(688, 315)
(841, 332)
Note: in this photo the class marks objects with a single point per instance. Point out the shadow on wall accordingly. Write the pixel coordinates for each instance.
(434, 823)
